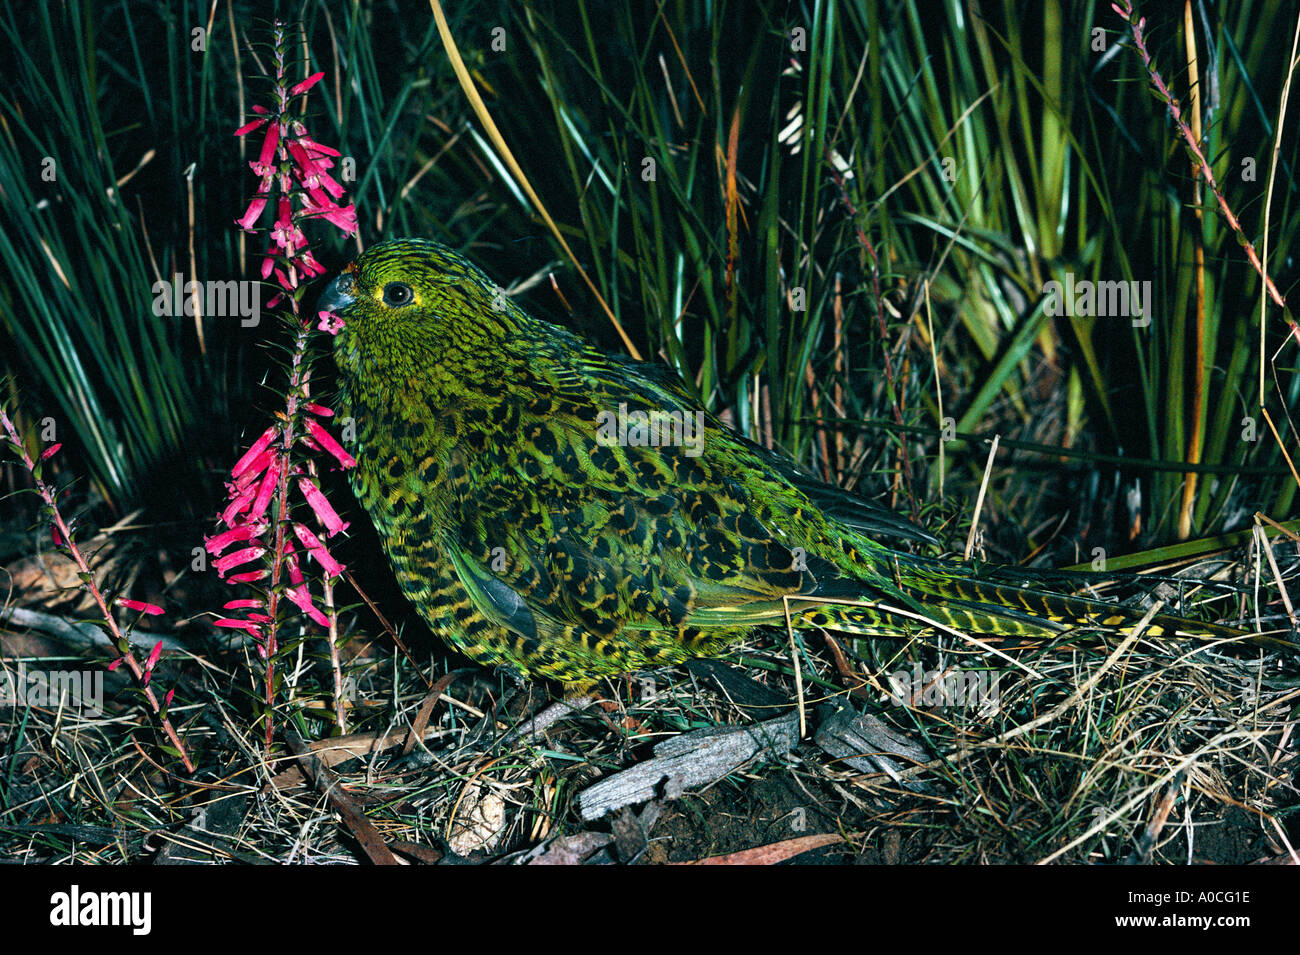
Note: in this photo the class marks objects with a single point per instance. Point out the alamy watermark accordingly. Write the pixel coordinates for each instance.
(232, 299)
(76, 907)
(83, 689)
(1085, 298)
(948, 687)
(651, 429)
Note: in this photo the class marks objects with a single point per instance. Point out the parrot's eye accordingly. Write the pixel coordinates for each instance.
(397, 294)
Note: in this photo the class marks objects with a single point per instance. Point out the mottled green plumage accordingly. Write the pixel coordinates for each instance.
(525, 538)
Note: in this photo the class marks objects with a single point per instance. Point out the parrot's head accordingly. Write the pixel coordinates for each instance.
(409, 308)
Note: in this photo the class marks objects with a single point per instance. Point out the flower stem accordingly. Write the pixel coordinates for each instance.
(89, 584)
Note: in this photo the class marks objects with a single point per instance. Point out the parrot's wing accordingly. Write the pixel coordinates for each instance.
(558, 522)
(834, 502)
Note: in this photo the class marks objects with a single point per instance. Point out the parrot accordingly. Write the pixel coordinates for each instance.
(572, 514)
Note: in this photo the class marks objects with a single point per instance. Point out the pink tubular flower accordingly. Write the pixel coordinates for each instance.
(264, 492)
(243, 556)
(327, 515)
(242, 604)
(285, 235)
(256, 453)
(243, 532)
(313, 147)
(255, 124)
(291, 562)
(234, 624)
(151, 662)
(252, 214)
(263, 164)
(240, 499)
(343, 218)
(140, 605)
(318, 550)
(306, 84)
(301, 597)
(326, 441)
(248, 576)
(50, 452)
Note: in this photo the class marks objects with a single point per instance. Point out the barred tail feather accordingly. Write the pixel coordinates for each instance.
(999, 610)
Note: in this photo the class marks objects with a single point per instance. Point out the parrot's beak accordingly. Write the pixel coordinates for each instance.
(339, 294)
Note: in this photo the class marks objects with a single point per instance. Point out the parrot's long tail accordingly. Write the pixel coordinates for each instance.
(933, 593)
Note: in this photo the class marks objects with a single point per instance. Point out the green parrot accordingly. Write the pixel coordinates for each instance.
(573, 514)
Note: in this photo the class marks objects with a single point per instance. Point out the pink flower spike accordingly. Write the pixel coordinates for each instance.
(167, 700)
(258, 446)
(306, 84)
(154, 654)
(140, 605)
(319, 410)
(50, 452)
(115, 664)
(242, 604)
(326, 441)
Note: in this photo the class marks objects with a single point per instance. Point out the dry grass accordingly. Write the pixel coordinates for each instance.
(1101, 748)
